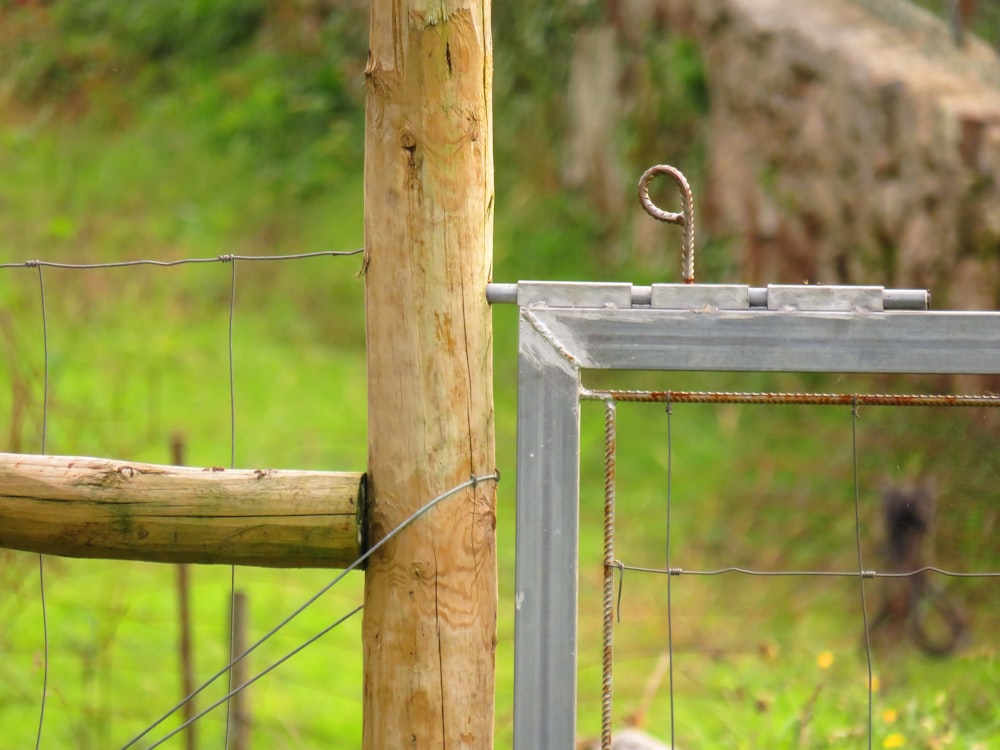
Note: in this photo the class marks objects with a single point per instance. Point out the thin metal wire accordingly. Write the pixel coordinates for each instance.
(41, 559)
(941, 571)
(473, 482)
(45, 361)
(232, 465)
(811, 573)
(861, 567)
(804, 399)
(670, 618)
(232, 371)
(609, 574)
(226, 698)
(228, 258)
(621, 585)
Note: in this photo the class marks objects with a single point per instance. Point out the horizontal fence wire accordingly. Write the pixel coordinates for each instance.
(830, 573)
(226, 258)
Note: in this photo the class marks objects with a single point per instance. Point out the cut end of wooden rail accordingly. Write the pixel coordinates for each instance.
(102, 508)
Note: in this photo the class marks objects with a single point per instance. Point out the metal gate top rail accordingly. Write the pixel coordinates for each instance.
(565, 328)
(773, 297)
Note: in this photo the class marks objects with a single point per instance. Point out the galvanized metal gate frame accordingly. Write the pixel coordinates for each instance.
(566, 328)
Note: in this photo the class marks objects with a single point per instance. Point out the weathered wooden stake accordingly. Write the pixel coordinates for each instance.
(430, 595)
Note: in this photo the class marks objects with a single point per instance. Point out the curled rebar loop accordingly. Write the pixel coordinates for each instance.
(685, 218)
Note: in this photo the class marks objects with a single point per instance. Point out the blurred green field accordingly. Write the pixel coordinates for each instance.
(254, 148)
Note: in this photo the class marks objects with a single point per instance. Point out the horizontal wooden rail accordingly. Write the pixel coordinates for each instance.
(96, 507)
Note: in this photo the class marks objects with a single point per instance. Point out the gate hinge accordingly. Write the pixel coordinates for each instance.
(708, 297)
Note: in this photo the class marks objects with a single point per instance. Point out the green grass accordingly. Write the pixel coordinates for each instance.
(136, 355)
(194, 158)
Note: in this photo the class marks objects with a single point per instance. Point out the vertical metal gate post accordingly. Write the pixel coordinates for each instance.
(548, 521)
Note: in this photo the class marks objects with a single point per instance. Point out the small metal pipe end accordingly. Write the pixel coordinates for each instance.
(505, 294)
(906, 299)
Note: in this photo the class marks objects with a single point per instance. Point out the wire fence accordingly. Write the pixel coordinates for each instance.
(159, 730)
(53, 684)
(921, 593)
(919, 609)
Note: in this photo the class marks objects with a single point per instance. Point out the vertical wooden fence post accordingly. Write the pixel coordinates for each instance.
(430, 596)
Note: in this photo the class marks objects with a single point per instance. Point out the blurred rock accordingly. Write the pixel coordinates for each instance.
(851, 141)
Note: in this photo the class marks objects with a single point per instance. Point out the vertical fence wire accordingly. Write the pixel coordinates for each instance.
(861, 567)
(670, 618)
(232, 465)
(41, 559)
(609, 573)
(232, 368)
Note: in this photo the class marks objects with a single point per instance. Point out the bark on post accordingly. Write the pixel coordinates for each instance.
(430, 598)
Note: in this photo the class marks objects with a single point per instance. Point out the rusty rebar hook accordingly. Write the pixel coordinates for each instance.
(685, 218)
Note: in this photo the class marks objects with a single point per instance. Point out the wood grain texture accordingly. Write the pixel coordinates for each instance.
(96, 507)
(430, 607)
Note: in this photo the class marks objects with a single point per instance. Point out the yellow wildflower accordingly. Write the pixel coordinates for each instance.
(894, 740)
(889, 715)
(824, 660)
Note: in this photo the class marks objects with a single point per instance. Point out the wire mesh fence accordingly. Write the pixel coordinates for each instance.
(115, 359)
(773, 494)
(831, 586)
